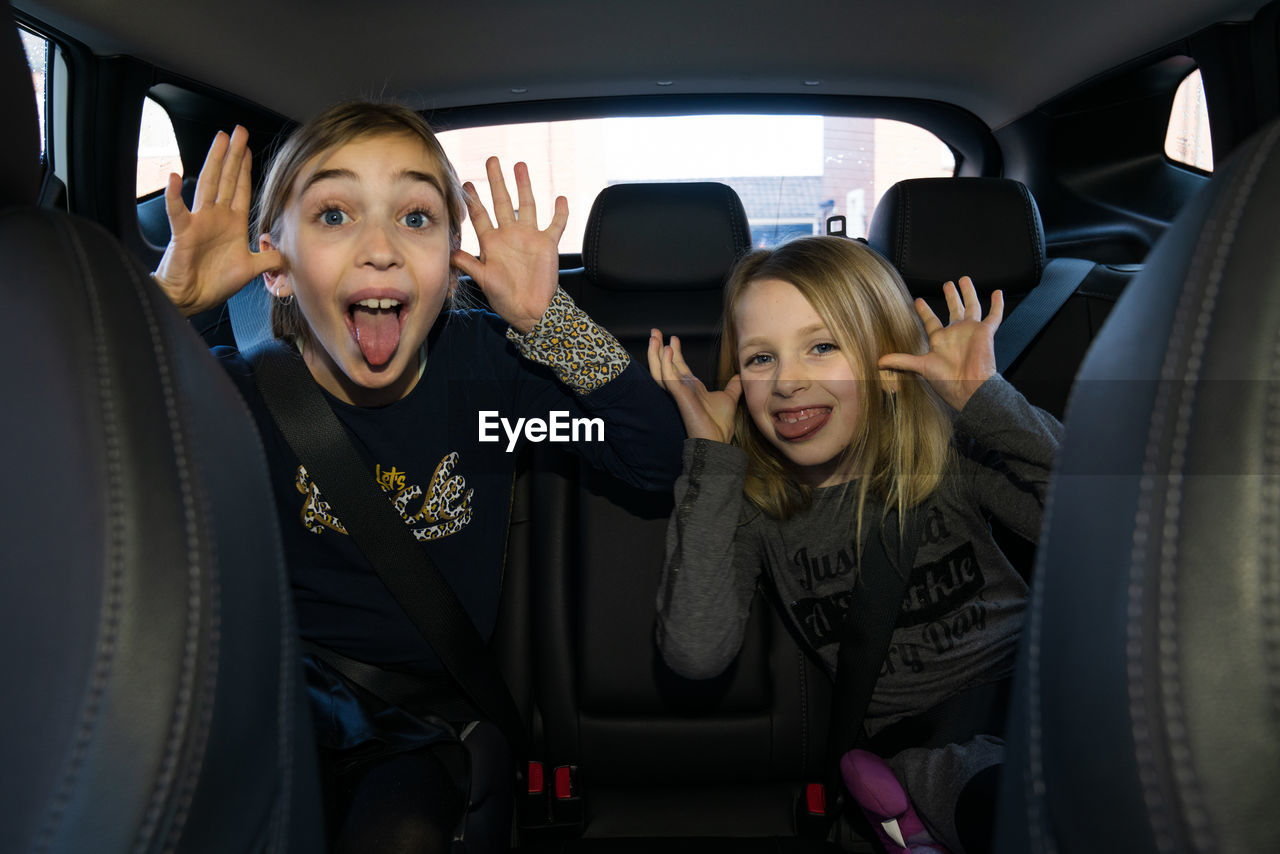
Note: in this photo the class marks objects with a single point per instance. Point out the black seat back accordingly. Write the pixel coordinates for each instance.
(938, 229)
(656, 754)
(152, 687)
(1146, 713)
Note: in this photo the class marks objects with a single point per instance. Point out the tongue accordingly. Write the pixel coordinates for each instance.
(802, 428)
(377, 333)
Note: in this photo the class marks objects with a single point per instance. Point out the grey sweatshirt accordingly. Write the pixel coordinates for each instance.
(962, 611)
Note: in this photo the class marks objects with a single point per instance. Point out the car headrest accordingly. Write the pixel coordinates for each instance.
(20, 143)
(643, 237)
(938, 229)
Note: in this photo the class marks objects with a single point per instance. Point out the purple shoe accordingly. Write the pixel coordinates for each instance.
(884, 802)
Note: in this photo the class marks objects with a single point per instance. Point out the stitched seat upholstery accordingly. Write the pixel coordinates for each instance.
(152, 687)
(1145, 709)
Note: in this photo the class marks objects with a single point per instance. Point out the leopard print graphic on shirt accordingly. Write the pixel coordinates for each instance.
(446, 509)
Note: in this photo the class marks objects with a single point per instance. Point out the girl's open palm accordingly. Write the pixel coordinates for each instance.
(208, 257)
(519, 265)
(706, 414)
(961, 354)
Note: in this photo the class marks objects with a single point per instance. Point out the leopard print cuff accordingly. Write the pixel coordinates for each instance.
(583, 355)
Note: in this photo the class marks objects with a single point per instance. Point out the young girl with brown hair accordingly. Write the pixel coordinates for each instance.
(357, 233)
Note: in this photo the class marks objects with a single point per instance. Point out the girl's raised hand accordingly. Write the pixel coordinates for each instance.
(961, 354)
(706, 414)
(519, 265)
(208, 257)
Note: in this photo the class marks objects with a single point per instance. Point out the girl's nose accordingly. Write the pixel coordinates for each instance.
(378, 247)
(790, 379)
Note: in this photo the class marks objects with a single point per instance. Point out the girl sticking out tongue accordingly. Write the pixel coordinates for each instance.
(358, 228)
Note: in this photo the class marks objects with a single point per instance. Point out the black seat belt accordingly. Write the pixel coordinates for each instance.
(1061, 278)
(866, 632)
(324, 447)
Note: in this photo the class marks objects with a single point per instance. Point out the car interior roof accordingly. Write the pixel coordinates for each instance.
(998, 60)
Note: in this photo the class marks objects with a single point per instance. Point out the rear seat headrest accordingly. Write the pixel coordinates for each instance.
(20, 143)
(643, 237)
(938, 229)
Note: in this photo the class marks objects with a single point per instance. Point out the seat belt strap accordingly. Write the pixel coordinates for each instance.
(866, 632)
(322, 444)
(1061, 278)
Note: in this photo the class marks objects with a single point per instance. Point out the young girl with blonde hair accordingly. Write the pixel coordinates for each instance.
(842, 408)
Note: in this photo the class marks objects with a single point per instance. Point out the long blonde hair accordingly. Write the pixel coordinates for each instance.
(903, 438)
(340, 124)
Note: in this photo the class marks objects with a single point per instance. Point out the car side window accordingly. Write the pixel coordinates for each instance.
(158, 153)
(37, 50)
(1188, 140)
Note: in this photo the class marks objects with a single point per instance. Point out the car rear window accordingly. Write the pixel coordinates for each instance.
(792, 172)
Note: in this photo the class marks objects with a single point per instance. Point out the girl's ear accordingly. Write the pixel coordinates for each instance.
(277, 282)
(889, 381)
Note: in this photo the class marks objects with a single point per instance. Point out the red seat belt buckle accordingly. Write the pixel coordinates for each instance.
(564, 782)
(536, 782)
(815, 798)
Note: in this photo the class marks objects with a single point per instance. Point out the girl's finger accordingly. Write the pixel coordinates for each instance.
(685, 374)
(266, 260)
(996, 315)
(931, 322)
(174, 207)
(677, 357)
(469, 265)
(475, 210)
(237, 147)
(211, 172)
(670, 376)
(524, 192)
(902, 362)
(955, 308)
(242, 199)
(502, 210)
(655, 355)
(733, 388)
(559, 219)
(972, 306)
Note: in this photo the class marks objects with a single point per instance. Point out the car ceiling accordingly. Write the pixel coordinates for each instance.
(997, 58)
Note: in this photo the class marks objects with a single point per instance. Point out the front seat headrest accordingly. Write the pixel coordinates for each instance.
(938, 229)
(643, 237)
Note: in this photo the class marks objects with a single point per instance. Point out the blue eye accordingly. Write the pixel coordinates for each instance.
(333, 216)
(757, 359)
(416, 219)
(825, 347)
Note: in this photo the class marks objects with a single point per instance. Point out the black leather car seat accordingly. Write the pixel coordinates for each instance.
(1146, 712)
(654, 760)
(151, 678)
(938, 229)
